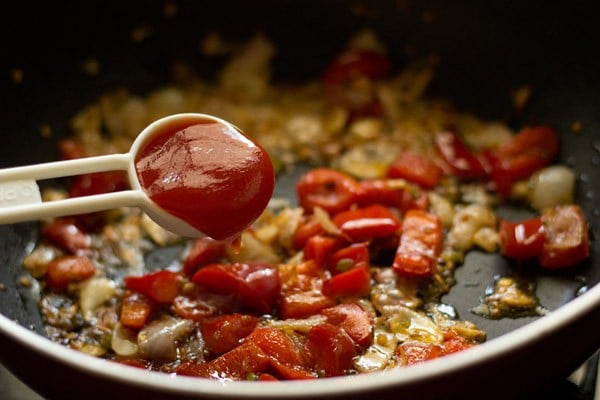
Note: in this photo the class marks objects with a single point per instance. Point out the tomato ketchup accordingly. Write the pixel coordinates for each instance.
(208, 174)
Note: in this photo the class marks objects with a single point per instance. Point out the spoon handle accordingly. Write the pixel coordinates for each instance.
(58, 169)
(20, 198)
(71, 206)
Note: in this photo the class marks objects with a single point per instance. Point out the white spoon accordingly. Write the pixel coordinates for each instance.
(20, 198)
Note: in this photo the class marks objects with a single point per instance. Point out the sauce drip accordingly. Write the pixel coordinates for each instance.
(207, 174)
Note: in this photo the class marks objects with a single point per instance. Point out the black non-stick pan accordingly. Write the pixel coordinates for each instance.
(487, 50)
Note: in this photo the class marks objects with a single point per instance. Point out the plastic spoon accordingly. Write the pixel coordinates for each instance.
(20, 198)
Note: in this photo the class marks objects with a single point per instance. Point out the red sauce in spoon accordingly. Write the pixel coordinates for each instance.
(207, 174)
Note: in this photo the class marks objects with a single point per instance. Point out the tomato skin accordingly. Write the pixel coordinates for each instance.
(203, 251)
(331, 348)
(462, 162)
(357, 322)
(528, 151)
(355, 282)
(367, 223)
(383, 192)
(256, 285)
(136, 310)
(329, 189)
(416, 169)
(566, 237)
(67, 269)
(161, 286)
(224, 332)
(420, 245)
(68, 235)
(522, 240)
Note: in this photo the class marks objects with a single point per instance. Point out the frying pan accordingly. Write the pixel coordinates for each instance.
(486, 50)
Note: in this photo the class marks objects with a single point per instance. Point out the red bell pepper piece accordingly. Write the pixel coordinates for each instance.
(420, 245)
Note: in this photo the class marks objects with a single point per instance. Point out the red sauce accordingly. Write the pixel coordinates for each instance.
(207, 174)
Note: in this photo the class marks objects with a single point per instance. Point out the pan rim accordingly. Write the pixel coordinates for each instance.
(381, 380)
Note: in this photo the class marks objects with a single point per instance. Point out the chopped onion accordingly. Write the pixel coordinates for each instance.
(158, 340)
(94, 293)
(123, 341)
(552, 186)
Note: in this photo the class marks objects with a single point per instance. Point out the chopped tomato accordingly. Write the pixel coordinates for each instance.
(256, 285)
(347, 257)
(307, 228)
(71, 149)
(66, 234)
(285, 355)
(355, 282)
(329, 189)
(68, 269)
(98, 183)
(412, 353)
(462, 162)
(355, 63)
(417, 169)
(197, 306)
(331, 348)
(303, 304)
(522, 240)
(347, 81)
(386, 192)
(224, 332)
(363, 224)
(161, 286)
(528, 151)
(420, 245)
(566, 237)
(203, 251)
(319, 248)
(136, 310)
(356, 321)
(237, 364)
